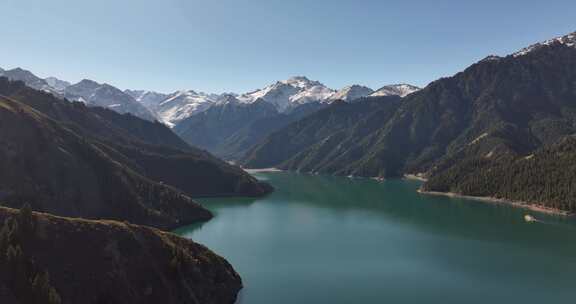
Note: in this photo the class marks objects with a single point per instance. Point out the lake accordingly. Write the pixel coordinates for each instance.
(320, 239)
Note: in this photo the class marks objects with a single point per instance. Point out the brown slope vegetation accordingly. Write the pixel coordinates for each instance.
(54, 260)
(59, 171)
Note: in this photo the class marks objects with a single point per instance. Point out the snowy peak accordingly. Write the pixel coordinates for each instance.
(31, 80)
(229, 99)
(107, 96)
(289, 93)
(401, 90)
(57, 84)
(86, 91)
(149, 99)
(568, 40)
(302, 82)
(84, 86)
(352, 92)
(183, 104)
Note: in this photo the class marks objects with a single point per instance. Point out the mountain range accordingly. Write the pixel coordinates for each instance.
(175, 107)
(226, 125)
(453, 132)
(104, 164)
(232, 125)
(86, 91)
(230, 128)
(72, 160)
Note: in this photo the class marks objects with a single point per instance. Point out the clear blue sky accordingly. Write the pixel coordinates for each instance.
(239, 45)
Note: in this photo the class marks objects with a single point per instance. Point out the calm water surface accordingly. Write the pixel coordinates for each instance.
(337, 240)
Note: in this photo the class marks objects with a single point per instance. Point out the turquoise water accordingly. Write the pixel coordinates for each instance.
(337, 240)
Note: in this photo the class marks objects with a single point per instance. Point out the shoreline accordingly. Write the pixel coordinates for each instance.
(417, 177)
(493, 200)
(487, 199)
(262, 170)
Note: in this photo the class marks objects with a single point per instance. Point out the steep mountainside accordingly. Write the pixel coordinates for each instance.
(54, 260)
(114, 158)
(183, 104)
(57, 84)
(509, 106)
(401, 90)
(107, 96)
(87, 91)
(325, 141)
(27, 77)
(544, 178)
(155, 151)
(149, 99)
(67, 173)
(229, 129)
(287, 94)
(352, 92)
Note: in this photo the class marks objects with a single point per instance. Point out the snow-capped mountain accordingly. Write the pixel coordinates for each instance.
(183, 104)
(351, 93)
(149, 99)
(173, 108)
(57, 84)
(290, 93)
(401, 90)
(568, 40)
(28, 78)
(225, 99)
(107, 96)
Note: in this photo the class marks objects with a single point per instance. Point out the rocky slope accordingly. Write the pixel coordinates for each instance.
(149, 99)
(31, 80)
(107, 96)
(351, 93)
(183, 104)
(54, 260)
(287, 94)
(401, 90)
(86, 91)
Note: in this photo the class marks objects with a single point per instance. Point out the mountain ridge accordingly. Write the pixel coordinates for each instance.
(43, 261)
(433, 124)
(146, 160)
(174, 107)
